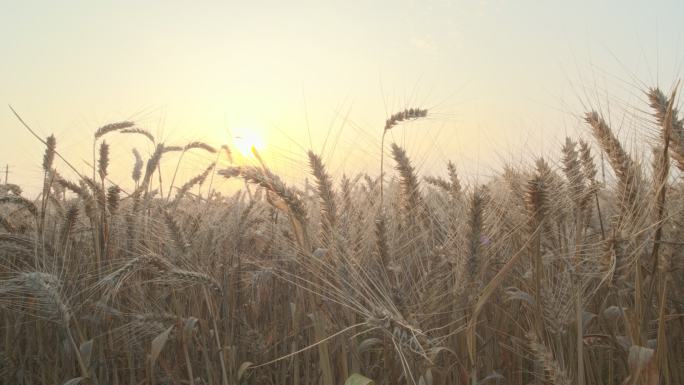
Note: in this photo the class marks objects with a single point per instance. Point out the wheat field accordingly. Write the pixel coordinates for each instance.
(550, 274)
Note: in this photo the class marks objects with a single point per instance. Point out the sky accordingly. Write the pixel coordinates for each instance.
(504, 81)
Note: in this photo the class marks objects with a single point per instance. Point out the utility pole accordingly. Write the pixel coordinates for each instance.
(6, 172)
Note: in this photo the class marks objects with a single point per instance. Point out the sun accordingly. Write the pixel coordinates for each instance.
(245, 139)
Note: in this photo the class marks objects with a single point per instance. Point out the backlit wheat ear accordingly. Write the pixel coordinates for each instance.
(104, 130)
(228, 152)
(82, 192)
(626, 170)
(48, 179)
(97, 191)
(438, 182)
(407, 114)
(573, 172)
(194, 181)
(291, 199)
(536, 202)
(454, 181)
(270, 181)
(199, 145)
(69, 224)
(659, 103)
(139, 131)
(137, 167)
(588, 165)
(190, 146)
(591, 192)
(103, 162)
(535, 199)
(326, 195)
(49, 157)
(73, 187)
(410, 186)
(475, 233)
(175, 232)
(113, 199)
(172, 149)
(346, 188)
(619, 160)
(671, 128)
(152, 164)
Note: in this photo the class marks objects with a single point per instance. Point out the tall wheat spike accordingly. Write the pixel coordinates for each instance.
(326, 194)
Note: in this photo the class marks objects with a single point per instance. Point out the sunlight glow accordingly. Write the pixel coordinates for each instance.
(245, 139)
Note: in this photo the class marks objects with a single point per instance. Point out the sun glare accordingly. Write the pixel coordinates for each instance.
(245, 139)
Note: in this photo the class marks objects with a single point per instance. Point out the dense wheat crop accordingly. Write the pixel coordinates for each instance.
(547, 275)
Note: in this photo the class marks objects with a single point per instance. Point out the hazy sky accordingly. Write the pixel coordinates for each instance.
(503, 79)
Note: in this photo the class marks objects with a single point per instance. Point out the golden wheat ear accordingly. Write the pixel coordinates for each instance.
(103, 161)
(667, 117)
(627, 171)
(392, 121)
(107, 128)
(326, 194)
